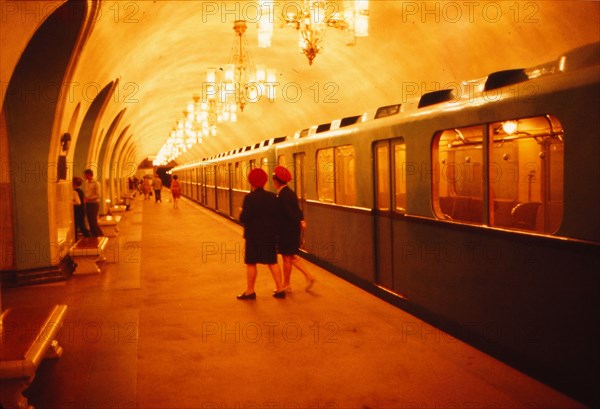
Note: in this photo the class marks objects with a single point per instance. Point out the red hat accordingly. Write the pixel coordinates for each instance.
(282, 174)
(257, 177)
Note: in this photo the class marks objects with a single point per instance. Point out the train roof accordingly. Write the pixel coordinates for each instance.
(575, 59)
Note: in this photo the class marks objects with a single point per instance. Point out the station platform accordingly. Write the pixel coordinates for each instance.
(160, 327)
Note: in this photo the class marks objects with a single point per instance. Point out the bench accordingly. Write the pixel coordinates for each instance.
(525, 215)
(116, 209)
(462, 208)
(28, 335)
(87, 252)
(110, 225)
(127, 198)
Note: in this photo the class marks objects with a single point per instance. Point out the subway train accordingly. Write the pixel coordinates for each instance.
(474, 208)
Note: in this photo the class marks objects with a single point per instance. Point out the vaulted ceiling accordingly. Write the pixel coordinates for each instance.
(159, 51)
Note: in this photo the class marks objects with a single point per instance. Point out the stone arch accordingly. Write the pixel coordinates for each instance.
(37, 205)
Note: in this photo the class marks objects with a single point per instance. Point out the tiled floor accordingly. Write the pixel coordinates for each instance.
(161, 328)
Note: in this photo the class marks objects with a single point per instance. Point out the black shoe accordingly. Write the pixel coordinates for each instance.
(244, 296)
(280, 294)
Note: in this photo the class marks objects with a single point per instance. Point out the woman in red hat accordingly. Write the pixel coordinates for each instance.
(261, 225)
(292, 224)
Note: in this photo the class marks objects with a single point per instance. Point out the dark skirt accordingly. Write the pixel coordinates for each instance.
(260, 252)
(289, 240)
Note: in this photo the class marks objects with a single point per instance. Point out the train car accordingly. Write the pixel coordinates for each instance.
(475, 208)
(220, 182)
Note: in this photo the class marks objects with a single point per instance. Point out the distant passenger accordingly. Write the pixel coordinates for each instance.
(291, 227)
(157, 186)
(79, 208)
(175, 191)
(146, 187)
(260, 232)
(91, 193)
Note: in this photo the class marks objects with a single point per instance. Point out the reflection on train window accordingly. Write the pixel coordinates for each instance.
(526, 174)
(325, 175)
(245, 168)
(210, 176)
(458, 174)
(223, 176)
(237, 176)
(299, 175)
(336, 175)
(385, 199)
(399, 175)
(525, 169)
(382, 175)
(264, 164)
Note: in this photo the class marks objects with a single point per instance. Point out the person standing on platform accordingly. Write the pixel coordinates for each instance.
(146, 187)
(261, 224)
(175, 191)
(91, 193)
(292, 224)
(79, 208)
(157, 186)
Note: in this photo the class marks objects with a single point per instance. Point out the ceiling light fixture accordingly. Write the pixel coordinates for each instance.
(312, 18)
(241, 82)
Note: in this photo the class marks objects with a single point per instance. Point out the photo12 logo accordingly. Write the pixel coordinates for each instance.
(27, 11)
(264, 10)
(254, 332)
(469, 12)
(72, 92)
(253, 92)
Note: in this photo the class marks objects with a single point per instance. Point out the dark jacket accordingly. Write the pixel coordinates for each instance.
(260, 216)
(290, 211)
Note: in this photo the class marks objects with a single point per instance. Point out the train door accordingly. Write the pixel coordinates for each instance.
(389, 158)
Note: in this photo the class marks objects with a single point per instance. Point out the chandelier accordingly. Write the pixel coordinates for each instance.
(312, 18)
(199, 121)
(217, 104)
(224, 91)
(240, 82)
(172, 148)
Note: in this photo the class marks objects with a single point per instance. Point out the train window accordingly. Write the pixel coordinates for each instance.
(325, 175)
(336, 175)
(244, 170)
(299, 175)
(264, 164)
(210, 176)
(399, 175)
(223, 177)
(524, 166)
(382, 174)
(390, 192)
(458, 176)
(345, 175)
(237, 176)
(526, 174)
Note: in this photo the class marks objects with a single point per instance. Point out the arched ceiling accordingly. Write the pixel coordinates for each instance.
(159, 51)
